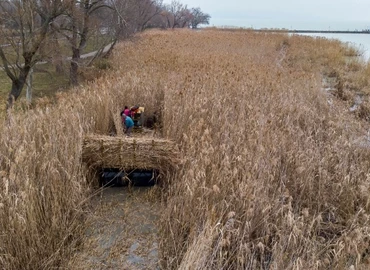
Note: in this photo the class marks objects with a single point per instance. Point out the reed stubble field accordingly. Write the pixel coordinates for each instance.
(273, 176)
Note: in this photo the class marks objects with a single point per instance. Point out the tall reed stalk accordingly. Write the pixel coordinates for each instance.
(273, 175)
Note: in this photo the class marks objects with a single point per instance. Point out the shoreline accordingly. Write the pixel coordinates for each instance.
(312, 31)
(298, 31)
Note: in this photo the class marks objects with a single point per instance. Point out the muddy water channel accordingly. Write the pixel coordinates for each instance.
(121, 231)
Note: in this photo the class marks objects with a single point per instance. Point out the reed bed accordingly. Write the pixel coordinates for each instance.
(272, 178)
(129, 153)
(274, 172)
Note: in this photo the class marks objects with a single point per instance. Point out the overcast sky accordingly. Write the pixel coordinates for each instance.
(295, 14)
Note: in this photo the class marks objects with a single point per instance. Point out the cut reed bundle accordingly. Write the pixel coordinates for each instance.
(129, 153)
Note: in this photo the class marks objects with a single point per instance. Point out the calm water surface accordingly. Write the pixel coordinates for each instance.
(361, 41)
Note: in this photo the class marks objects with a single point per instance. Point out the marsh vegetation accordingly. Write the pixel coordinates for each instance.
(273, 176)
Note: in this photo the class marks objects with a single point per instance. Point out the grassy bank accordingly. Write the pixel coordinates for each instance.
(273, 176)
(47, 80)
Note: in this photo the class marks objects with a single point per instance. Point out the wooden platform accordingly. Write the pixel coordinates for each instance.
(129, 153)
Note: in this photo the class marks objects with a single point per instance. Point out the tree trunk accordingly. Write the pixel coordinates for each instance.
(15, 92)
(59, 66)
(73, 75)
(29, 87)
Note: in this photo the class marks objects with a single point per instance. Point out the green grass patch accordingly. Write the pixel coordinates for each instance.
(46, 82)
(96, 42)
(5, 83)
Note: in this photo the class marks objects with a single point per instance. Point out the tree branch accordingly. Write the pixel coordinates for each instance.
(6, 65)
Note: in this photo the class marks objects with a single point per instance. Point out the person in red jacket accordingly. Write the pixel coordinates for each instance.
(127, 111)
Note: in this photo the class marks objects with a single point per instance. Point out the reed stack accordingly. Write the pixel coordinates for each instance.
(129, 153)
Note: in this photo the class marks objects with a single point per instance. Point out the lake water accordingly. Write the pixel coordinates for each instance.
(361, 41)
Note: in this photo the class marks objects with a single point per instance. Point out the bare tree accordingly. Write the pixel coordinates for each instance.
(159, 20)
(145, 10)
(78, 25)
(27, 24)
(177, 15)
(198, 17)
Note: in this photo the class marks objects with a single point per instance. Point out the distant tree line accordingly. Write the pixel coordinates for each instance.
(37, 30)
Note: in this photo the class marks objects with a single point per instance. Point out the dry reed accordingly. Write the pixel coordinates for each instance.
(275, 172)
(272, 176)
(129, 153)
